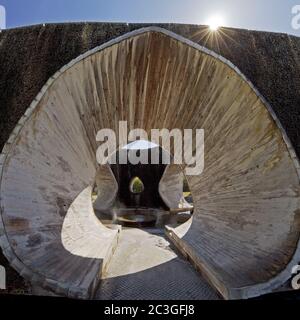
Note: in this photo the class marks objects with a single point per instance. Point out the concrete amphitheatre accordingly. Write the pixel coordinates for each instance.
(63, 227)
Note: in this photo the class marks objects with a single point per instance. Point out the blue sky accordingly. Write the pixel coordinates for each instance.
(271, 15)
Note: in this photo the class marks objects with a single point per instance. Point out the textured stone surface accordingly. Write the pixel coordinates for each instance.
(30, 56)
(144, 267)
(107, 187)
(246, 201)
(171, 186)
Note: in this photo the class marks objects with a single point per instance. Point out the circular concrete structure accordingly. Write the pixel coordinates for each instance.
(245, 229)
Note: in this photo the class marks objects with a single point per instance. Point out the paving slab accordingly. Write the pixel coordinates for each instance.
(144, 267)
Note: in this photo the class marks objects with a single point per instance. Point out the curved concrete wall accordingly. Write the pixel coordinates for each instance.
(171, 186)
(107, 187)
(245, 228)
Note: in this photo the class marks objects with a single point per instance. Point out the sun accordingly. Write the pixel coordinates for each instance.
(215, 22)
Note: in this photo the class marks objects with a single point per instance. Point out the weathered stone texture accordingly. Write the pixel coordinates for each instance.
(246, 201)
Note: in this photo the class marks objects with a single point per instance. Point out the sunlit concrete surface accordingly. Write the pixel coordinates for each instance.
(144, 267)
(245, 231)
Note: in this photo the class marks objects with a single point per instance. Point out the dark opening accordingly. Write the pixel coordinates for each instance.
(138, 202)
(149, 176)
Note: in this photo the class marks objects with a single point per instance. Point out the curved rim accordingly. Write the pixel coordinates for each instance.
(34, 276)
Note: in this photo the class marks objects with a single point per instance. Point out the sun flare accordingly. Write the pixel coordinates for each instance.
(215, 22)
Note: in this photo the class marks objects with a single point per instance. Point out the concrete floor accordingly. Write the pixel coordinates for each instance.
(144, 267)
